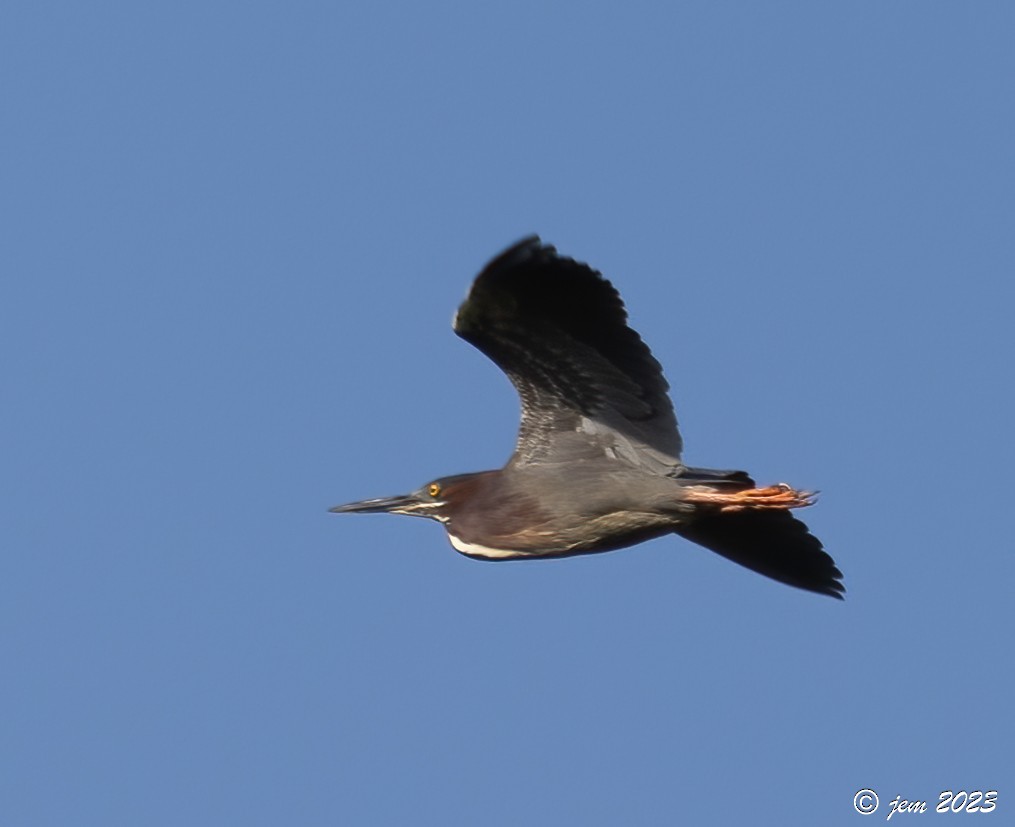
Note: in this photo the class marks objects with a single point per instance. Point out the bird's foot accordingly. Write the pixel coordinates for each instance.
(774, 496)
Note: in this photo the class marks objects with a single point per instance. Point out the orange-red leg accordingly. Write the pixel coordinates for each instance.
(774, 496)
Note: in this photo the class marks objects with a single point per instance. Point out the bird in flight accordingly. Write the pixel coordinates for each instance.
(597, 465)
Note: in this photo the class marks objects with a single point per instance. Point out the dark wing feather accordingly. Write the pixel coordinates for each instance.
(773, 543)
(588, 384)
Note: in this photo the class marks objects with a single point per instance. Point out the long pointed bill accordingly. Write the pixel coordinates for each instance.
(401, 504)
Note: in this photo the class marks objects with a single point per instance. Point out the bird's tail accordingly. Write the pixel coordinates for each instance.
(710, 476)
(770, 542)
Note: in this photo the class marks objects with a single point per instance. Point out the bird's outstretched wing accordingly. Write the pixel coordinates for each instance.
(770, 542)
(589, 385)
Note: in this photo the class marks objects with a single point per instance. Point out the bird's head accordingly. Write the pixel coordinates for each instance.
(436, 500)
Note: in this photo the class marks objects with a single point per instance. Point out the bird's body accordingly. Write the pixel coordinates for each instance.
(597, 465)
(612, 511)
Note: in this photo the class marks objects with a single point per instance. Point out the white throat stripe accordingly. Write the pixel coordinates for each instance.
(476, 550)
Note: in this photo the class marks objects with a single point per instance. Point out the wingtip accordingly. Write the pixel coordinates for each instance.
(519, 251)
(517, 254)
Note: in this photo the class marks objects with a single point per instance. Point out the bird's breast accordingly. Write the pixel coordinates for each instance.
(603, 533)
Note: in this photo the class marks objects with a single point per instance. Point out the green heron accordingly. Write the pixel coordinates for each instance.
(597, 463)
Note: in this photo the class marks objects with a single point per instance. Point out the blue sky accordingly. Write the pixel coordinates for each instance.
(234, 238)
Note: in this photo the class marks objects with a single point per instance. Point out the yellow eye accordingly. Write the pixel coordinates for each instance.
(433, 489)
